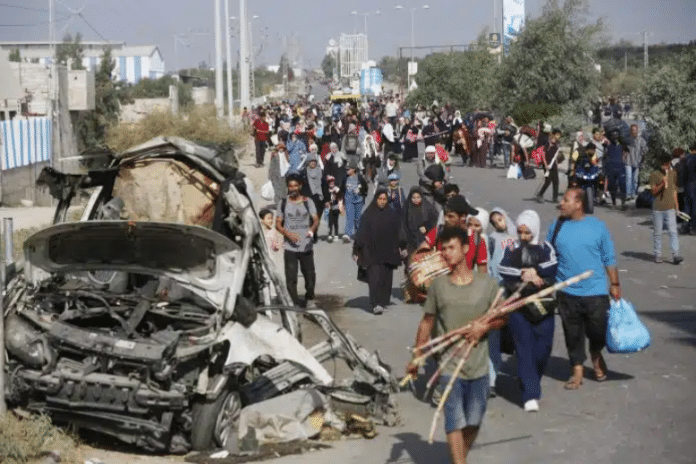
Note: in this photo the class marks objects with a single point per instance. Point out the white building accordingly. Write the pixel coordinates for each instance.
(138, 62)
(133, 63)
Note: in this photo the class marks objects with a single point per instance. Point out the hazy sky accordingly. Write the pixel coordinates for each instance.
(315, 22)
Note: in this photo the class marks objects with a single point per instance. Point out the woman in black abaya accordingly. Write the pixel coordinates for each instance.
(376, 249)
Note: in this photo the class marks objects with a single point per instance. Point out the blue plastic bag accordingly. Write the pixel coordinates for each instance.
(625, 332)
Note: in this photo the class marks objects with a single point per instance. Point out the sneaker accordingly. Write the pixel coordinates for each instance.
(311, 304)
(346, 239)
(377, 310)
(658, 259)
(531, 406)
(677, 259)
(330, 238)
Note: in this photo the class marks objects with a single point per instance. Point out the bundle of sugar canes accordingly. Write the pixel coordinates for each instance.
(461, 348)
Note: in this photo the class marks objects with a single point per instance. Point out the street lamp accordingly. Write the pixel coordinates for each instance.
(365, 15)
(413, 10)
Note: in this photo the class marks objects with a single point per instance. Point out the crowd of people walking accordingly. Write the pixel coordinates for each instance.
(333, 159)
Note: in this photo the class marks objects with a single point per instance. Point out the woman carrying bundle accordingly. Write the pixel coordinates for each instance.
(532, 264)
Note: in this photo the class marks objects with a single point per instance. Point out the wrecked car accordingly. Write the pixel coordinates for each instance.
(159, 315)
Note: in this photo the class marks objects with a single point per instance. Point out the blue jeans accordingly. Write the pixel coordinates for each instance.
(466, 404)
(505, 147)
(533, 343)
(659, 219)
(354, 207)
(632, 181)
(495, 359)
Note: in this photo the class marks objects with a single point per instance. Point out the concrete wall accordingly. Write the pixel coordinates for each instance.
(142, 107)
(19, 184)
(203, 95)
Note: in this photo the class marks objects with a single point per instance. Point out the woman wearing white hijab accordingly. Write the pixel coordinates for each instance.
(532, 326)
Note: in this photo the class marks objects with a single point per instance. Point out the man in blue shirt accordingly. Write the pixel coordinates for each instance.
(584, 243)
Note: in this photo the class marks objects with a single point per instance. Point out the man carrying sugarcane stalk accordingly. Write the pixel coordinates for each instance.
(453, 301)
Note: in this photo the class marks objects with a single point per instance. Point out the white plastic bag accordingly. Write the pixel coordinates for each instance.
(284, 164)
(513, 171)
(267, 192)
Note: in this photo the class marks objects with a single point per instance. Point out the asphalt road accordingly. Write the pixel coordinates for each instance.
(645, 412)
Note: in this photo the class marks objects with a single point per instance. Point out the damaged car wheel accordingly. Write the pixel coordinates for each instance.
(215, 422)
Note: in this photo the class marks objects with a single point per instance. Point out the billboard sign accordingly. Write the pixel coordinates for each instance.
(371, 81)
(513, 20)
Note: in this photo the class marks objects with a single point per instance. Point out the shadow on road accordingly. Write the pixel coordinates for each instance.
(360, 302)
(640, 255)
(413, 448)
(684, 320)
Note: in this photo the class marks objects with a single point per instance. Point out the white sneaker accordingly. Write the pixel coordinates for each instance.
(346, 238)
(330, 238)
(531, 406)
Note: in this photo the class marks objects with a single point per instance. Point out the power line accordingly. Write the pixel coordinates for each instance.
(19, 7)
(92, 27)
(42, 23)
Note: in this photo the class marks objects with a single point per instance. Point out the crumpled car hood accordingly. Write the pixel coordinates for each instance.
(193, 256)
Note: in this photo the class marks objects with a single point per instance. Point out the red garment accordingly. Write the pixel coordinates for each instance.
(477, 254)
(260, 130)
(377, 137)
(442, 153)
(538, 155)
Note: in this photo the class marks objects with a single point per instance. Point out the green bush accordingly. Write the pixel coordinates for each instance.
(526, 113)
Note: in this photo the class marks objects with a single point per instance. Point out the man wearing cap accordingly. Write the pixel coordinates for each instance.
(354, 190)
(457, 209)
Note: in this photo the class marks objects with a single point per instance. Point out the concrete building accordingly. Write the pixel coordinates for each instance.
(133, 63)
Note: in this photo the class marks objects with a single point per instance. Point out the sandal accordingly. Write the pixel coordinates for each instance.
(575, 379)
(573, 384)
(600, 368)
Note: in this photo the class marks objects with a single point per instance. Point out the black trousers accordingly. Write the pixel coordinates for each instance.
(319, 205)
(260, 151)
(379, 280)
(552, 178)
(333, 221)
(583, 316)
(305, 260)
(616, 176)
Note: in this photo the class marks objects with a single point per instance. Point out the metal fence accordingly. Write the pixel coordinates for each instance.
(25, 141)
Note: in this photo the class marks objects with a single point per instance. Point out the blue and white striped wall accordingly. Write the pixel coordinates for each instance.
(25, 142)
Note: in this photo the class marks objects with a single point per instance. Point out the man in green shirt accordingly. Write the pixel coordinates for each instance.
(663, 185)
(453, 301)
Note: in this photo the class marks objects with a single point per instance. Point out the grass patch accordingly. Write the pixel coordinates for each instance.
(197, 123)
(27, 439)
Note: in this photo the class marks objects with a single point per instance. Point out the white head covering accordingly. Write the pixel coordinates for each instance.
(483, 218)
(530, 218)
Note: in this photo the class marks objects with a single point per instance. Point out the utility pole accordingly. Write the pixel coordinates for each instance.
(219, 100)
(243, 55)
(645, 50)
(230, 101)
(252, 81)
